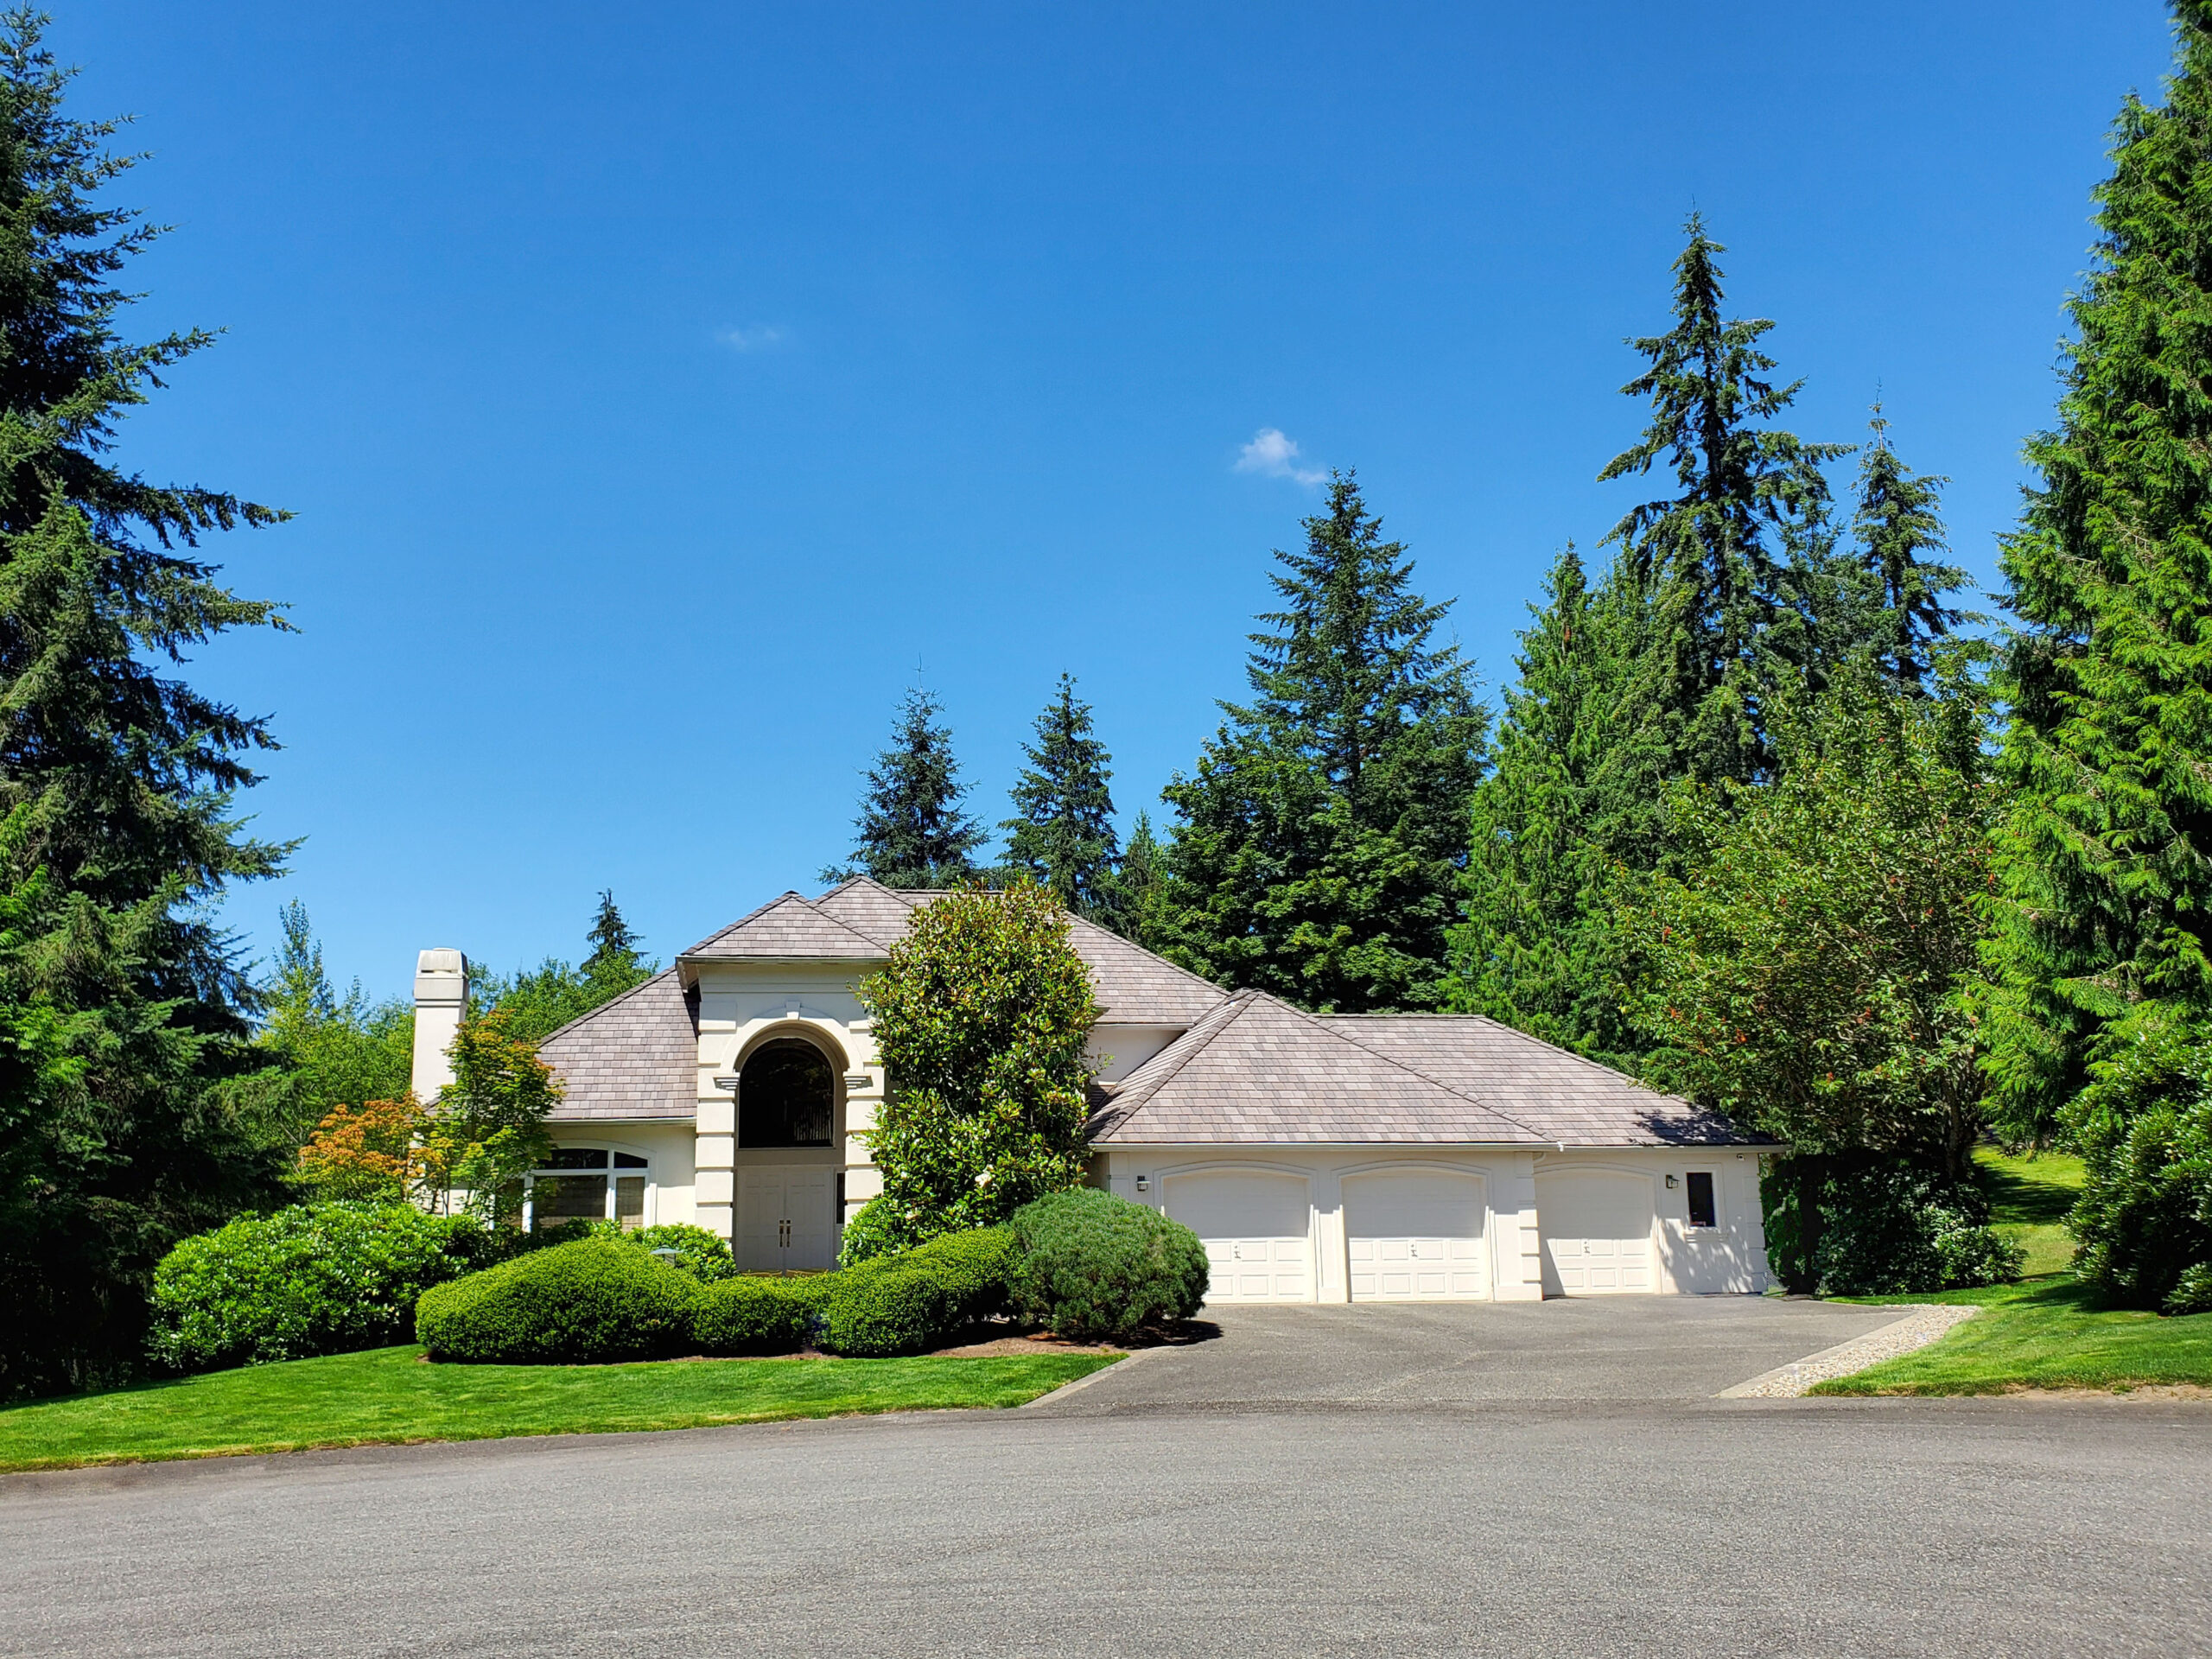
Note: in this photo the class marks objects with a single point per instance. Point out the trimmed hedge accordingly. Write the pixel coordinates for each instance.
(312, 1279)
(575, 1304)
(1095, 1267)
(702, 1255)
(885, 1308)
(755, 1314)
(974, 1269)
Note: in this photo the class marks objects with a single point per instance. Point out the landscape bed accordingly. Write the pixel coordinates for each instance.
(391, 1397)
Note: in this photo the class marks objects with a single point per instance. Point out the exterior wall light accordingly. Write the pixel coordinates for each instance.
(1144, 1183)
(1671, 1183)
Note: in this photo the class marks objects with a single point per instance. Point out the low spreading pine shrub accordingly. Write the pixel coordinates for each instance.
(593, 1300)
(1095, 1267)
(313, 1278)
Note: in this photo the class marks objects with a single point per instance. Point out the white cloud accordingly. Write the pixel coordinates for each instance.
(749, 339)
(1273, 455)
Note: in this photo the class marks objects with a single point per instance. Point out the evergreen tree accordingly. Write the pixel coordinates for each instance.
(912, 831)
(1063, 833)
(1320, 839)
(2105, 1008)
(116, 779)
(1136, 885)
(613, 945)
(1538, 950)
(1714, 560)
(1900, 591)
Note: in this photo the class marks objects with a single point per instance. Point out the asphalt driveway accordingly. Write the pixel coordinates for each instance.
(1553, 1480)
(1417, 1354)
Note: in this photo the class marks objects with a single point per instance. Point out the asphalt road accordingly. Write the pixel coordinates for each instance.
(1419, 1518)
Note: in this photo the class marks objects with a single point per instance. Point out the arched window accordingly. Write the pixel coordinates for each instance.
(785, 1096)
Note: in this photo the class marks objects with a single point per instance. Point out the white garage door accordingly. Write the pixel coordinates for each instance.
(1257, 1228)
(1597, 1232)
(1415, 1235)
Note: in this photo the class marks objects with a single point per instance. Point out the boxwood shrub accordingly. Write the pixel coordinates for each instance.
(1095, 1267)
(702, 1255)
(753, 1314)
(312, 1279)
(885, 1307)
(974, 1268)
(595, 1299)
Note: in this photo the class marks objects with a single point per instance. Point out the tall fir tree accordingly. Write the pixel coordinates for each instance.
(1714, 560)
(1317, 843)
(613, 944)
(1902, 584)
(912, 830)
(1063, 830)
(1134, 911)
(1538, 949)
(2104, 1016)
(116, 779)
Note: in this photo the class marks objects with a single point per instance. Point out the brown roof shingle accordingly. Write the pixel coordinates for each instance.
(635, 1057)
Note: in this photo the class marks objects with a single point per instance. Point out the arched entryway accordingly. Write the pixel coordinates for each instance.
(788, 1201)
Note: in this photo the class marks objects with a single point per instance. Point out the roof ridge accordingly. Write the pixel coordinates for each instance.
(1411, 1071)
(1225, 1014)
(612, 1003)
(805, 903)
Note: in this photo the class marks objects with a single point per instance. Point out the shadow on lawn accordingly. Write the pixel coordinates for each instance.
(2017, 1197)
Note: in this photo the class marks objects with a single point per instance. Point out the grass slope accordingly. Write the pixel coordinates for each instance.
(2046, 1332)
(389, 1396)
(2028, 1201)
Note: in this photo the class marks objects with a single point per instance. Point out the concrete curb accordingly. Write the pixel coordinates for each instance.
(1923, 1322)
(1089, 1377)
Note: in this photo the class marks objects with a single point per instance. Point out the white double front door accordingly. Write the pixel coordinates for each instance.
(786, 1219)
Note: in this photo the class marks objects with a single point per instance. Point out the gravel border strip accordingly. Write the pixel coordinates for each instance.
(1922, 1323)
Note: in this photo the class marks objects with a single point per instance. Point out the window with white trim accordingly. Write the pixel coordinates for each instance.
(588, 1184)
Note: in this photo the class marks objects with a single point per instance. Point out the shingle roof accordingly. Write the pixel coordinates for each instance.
(1562, 1096)
(1257, 1070)
(786, 929)
(860, 920)
(635, 1057)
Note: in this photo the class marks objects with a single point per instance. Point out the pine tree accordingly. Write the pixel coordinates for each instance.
(912, 832)
(1319, 842)
(2105, 1011)
(1537, 951)
(116, 780)
(1712, 560)
(613, 944)
(1901, 591)
(1063, 834)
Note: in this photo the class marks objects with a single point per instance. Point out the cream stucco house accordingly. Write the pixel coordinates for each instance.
(1321, 1158)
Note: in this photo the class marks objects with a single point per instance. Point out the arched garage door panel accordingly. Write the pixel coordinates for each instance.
(1415, 1235)
(1256, 1228)
(1597, 1232)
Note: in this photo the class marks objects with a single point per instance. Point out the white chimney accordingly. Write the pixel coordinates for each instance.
(441, 988)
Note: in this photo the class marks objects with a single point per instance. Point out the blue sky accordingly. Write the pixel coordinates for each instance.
(660, 390)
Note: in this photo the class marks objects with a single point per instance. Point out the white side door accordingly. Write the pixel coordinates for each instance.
(1416, 1235)
(1596, 1225)
(1257, 1227)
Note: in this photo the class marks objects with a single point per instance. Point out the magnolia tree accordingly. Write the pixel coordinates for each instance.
(468, 1149)
(980, 1017)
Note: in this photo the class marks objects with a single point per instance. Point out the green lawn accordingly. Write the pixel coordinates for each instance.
(2028, 1200)
(2044, 1333)
(389, 1395)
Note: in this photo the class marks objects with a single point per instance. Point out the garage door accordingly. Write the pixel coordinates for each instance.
(1415, 1235)
(1257, 1228)
(1597, 1233)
